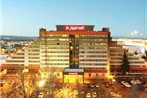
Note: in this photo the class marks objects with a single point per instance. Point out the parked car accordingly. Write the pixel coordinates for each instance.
(40, 95)
(97, 85)
(138, 82)
(133, 82)
(76, 92)
(88, 95)
(94, 94)
(126, 84)
(92, 85)
(82, 92)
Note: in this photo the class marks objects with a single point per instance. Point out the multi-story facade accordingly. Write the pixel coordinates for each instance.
(116, 56)
(74, 50)
(137, 64)
(76, 47)
(27, 56)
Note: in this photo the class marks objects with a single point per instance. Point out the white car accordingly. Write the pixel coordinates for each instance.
(123, 82)
(119, 96)
(111, 92)
(41, 95)
(76, 92)
(92, 85)
(126, 84)
(88, 95)
(97, 85)
(133, 82)
(115, 94)
(138, 82)
(94, 95)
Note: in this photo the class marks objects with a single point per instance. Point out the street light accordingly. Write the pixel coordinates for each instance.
(41, 83)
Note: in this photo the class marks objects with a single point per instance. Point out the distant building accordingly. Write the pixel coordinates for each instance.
(74, 50)
(134, 45)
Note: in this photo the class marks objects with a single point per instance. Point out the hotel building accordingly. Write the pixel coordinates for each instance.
(74, 52)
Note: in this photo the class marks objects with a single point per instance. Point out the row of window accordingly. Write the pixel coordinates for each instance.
(30, 61)
(93, 64)
(33, 53)
(55, 52)
(48, 56)
(116, 54)
(33, 50)
(14, 60)
(55, 64)
(34, 46)
(100, 44)
(116, 50)
(20, 53)
(13, 64)
(93, 43)
(136, 62)
(54, 35)
(54, 47)
(33, 57)
(55, 39)
(56, 55)
(93, 60)
(80, 47)
(93, 56)
(92, 39)
(55, 59)
(67, 35)
(93, 47)
(93, 52)
(115, 57)
(93, 35)
(54, 43)
(115, 61)
(17, 57)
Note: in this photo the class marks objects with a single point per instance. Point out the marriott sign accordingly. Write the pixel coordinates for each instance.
(75, 27)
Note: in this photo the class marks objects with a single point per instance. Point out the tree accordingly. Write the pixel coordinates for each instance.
(28, 83)
(136, 53)
(144, 56)
(125, 67)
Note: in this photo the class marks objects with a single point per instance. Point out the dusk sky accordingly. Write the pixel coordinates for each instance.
(25, 17)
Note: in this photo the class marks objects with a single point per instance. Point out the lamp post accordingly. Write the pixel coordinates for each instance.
(41, 83)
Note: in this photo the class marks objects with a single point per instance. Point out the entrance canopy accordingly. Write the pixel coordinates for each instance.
(74, 70)
(73, 75)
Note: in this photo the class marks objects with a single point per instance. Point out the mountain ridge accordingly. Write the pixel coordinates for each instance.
(13, 37)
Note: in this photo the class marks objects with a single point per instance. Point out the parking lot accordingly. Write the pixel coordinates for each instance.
(123, 87)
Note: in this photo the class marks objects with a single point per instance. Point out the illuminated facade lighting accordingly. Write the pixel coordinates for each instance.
(75, 47)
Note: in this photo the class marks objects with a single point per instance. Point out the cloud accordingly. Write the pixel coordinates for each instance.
(136, 33)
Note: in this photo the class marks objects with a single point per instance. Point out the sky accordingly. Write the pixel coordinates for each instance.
(24, 17)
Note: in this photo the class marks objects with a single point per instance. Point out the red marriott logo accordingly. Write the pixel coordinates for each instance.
(75, 28)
